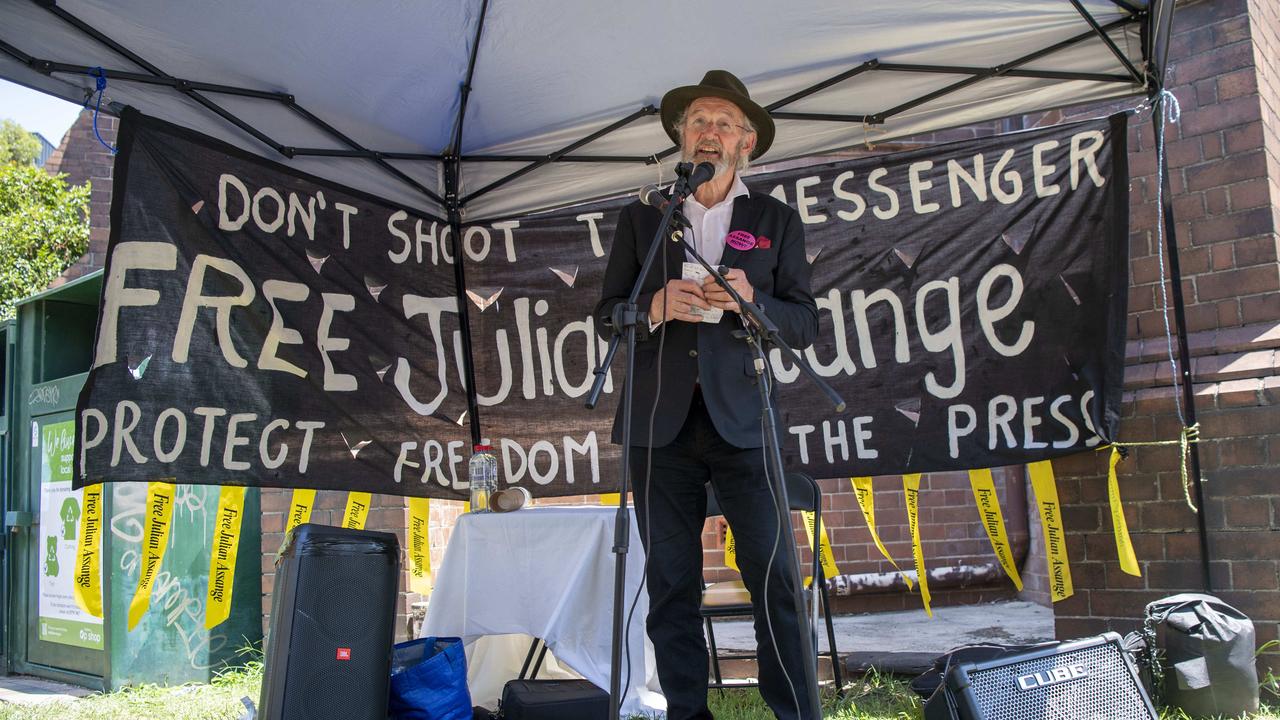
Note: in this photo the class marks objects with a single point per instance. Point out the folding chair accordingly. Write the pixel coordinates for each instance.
(729, 599)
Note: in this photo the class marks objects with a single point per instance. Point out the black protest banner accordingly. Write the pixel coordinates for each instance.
(261, 327)
(971, 300)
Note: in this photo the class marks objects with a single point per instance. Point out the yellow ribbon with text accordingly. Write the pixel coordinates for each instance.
(1055, 539)
(222, 557)
(300, 509)
(730, 549)
(158, 516)
(420, 545)
(984, 494)
(825, 554)
(867, 501)
(1124, 546)
(357, 510)
(911, 489)
(88, 579)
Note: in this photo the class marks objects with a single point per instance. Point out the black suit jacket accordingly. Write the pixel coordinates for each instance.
(705, 352)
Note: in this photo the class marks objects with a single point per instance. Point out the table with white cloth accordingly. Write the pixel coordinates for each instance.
(548, 573)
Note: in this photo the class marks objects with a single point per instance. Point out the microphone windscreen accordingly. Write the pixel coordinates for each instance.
(650, 195)
(702, 173)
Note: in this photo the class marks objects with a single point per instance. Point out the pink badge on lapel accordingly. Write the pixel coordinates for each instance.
(763, 242)
(740, 240)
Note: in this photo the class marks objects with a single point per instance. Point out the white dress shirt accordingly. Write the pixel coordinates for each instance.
(710, 225)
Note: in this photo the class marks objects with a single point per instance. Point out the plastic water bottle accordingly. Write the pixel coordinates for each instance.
(484, 477)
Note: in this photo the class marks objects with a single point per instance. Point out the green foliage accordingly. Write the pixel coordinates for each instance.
(17, 145)
(44, 227)
(1270, 654)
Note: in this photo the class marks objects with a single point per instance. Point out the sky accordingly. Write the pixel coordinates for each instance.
(37, 111)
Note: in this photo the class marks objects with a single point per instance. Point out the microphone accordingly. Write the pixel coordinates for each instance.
(650, 195)
(695, 176)
(703, 172)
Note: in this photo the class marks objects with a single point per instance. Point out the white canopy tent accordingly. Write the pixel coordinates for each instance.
(538, 105)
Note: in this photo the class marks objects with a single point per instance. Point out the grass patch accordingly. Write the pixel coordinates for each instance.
(218, 700)
(871, 697)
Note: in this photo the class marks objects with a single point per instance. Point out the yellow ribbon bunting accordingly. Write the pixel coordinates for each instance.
(222, 557)
(866, 501)
(357, 510)
(984, 494)
(155, 541)
(88, 578)
(420, 545)
(1124, 546)
(825, 554)
(300, 508)
(1055, 538)
(730, 549)
(911, 489)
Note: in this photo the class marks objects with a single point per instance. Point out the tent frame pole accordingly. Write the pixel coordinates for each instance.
(1002, 70)
(1106, 40)
(1184, 360)
(454, 203)
(452, 170)
(191, 89)
(1161, 24)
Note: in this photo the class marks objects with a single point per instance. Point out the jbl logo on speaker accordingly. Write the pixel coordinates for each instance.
(344, 653)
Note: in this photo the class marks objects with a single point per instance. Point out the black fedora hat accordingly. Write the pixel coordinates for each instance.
(724, 85)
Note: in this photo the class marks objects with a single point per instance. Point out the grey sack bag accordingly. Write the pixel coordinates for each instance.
(1209, 666)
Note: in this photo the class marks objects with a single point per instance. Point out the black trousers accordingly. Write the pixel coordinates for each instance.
(671, 511)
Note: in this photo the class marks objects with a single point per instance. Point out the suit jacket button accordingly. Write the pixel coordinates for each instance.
(693, 353)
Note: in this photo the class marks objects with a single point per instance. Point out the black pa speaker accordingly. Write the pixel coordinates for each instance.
(332, 625)
(1090, 679)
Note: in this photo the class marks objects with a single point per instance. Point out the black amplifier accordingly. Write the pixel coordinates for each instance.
(1090, 679)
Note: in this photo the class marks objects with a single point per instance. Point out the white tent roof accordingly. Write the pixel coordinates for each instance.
(387, 77)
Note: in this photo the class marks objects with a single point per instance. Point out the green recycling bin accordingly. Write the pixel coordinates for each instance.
(46, 632)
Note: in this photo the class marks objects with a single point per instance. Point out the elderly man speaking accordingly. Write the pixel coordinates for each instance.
(697, 413)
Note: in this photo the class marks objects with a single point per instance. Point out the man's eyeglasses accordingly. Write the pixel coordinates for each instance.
(723, 127)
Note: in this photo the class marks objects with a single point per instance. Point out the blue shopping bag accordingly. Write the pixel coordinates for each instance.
(429, 680)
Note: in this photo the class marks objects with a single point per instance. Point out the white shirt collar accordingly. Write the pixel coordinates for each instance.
(738, 188)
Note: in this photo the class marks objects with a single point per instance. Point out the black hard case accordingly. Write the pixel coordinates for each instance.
(554, 700)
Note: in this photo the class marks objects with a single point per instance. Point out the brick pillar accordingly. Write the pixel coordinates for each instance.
(84, 159)
(1224, 175)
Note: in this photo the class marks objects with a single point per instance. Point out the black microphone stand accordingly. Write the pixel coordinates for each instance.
(624, 319)
(758, 332)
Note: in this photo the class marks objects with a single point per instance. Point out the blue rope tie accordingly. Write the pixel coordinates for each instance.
(100, 81)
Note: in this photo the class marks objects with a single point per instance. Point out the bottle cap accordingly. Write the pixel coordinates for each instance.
(481, 448)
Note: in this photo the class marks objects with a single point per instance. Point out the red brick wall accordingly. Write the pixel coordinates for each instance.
(387, 513)
(1224, 174)
(84, 159)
